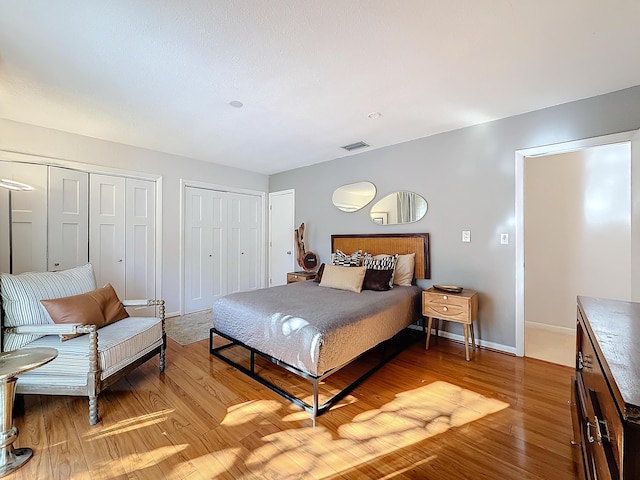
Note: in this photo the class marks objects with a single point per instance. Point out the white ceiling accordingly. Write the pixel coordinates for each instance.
(160, 74)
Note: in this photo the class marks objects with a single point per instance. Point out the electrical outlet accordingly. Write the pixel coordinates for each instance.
(466, 236)
(504, 239)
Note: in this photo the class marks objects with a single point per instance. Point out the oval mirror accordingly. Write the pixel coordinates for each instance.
(353, 197)
(399, 207)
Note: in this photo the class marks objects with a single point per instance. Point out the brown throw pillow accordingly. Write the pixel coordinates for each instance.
(377, 280)
(99, 307)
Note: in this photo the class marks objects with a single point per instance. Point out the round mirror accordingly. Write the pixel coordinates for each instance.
(399, 207)
(352, 197)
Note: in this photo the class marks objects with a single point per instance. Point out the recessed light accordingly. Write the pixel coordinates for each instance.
(374, 115)
(236, 104)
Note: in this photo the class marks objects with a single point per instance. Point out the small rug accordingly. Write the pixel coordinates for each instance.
(189, 328)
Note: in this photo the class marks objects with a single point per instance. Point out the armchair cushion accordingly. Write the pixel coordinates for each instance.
(119, 344)
(98, 307)
(21, 295)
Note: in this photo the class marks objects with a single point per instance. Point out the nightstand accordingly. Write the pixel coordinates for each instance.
(293, 277)
(454, 307)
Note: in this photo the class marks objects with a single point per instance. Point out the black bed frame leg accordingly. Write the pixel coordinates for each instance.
(253, 362)
(315, 404)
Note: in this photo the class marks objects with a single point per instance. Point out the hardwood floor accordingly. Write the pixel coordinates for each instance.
(426, 414)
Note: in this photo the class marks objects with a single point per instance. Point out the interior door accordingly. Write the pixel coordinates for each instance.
(29, 219)
(107, 230)
(205, 248)
(140, 228)
(281, 236)
(245, 213)
(5, 250)
(68, 233)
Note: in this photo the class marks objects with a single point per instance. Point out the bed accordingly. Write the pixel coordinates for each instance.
(313, 331)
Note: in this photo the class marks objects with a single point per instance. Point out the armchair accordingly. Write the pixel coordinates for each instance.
(86, 364)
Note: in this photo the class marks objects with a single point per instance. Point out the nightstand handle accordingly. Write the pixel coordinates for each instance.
(445, 309)
(445, 297)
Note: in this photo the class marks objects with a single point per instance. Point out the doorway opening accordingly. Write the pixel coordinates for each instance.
(530, 155)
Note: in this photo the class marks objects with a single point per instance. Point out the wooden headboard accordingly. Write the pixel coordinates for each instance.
(390, 243)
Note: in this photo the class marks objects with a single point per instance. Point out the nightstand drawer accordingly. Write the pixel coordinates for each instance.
(293, 277)
(444, 299)
(446, 312)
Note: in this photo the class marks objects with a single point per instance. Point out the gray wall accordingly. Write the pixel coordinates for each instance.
(468, 179)
(33, 140)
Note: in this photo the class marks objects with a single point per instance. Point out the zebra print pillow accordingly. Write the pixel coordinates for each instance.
(21, 295)
(341, 259)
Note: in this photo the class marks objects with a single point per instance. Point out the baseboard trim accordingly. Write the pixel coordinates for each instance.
(481, 343)
(550, 328)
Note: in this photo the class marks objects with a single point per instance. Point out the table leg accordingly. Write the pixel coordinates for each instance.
(466, 340)
(473, 336)
(428, 332)
(10, 458)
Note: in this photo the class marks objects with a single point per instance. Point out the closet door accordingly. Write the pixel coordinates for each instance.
(28, 218)
(5, 243)
(205, 248)
(140, 228)
(68, 214)
(107, 230)
(245, 213)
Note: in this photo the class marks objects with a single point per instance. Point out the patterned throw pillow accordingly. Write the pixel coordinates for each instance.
(381, 262)
(343, 260)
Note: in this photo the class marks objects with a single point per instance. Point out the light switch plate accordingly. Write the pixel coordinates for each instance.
(466, 236)
(504, 239)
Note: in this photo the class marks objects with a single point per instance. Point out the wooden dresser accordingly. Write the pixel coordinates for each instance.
(606, 389)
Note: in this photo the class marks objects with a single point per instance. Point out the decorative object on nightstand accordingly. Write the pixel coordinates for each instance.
(461, 307)
(293, 277)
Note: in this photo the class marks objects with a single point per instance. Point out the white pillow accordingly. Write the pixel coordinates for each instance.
(405, 267)
(343, 278)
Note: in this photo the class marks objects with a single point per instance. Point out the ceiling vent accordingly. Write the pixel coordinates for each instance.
(355, 146)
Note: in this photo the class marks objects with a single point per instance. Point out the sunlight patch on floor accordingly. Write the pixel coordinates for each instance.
(411, 417)
(130, 424)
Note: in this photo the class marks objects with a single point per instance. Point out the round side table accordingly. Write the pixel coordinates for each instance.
(11, 364)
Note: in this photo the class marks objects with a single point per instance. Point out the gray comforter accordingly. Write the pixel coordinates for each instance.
(313, 328)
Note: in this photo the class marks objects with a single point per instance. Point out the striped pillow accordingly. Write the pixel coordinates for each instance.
(381, 262)
(21, 295)
(341, 259)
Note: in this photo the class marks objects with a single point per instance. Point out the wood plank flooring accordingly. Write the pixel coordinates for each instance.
(427, 414)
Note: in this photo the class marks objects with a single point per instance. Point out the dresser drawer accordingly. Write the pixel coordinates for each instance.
(604, 424)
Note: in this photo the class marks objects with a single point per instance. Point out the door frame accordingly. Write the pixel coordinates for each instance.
(184, 183)
(542, 151)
